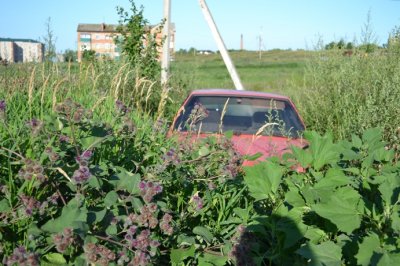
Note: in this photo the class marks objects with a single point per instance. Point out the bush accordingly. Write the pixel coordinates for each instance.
(77, 190)
(341, 206)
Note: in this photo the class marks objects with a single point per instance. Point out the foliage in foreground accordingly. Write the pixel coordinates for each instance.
(342, 207)
(76, 190)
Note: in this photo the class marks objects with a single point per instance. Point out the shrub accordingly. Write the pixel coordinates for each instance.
(77, 190)
(342, 207)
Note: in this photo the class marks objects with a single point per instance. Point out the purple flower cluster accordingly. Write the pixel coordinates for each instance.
(30, 204)
(35, 125)
(2, 110)
(241, 250)
(82, 174)
(121, 107)
(64, 138)
(53, 156)
(30, 170)
(64, 240)
(147, 216)
(98, 254)
(165, 224)
(73, 111)
(143, 245)
(149, 189)
(197, 201)
(171, 157)
(22, 257)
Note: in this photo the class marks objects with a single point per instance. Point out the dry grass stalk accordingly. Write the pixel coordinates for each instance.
(31, 86)
(55, 91)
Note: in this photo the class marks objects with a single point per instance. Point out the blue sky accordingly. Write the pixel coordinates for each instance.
(284, 24)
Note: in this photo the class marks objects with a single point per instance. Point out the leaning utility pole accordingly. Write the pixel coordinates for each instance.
(165, 60)
(221, 46)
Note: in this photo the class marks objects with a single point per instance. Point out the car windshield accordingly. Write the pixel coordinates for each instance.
(242, 115)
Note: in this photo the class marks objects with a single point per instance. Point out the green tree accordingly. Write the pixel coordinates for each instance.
(137, 42)
(49, 42)
(70, 55)
(89, 56)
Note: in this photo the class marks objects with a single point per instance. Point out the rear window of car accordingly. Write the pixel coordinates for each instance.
(242, 115)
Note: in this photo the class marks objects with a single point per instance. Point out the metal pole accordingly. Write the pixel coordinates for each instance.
(221, 46)
(165, 60)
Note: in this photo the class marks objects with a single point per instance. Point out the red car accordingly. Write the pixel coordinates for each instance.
(261, 123)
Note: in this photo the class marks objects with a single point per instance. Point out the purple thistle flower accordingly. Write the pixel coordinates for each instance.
(2, 106)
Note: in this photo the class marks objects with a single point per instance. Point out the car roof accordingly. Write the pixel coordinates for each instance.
(231, 92)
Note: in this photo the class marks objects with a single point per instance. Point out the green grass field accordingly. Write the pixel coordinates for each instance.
(271, 71)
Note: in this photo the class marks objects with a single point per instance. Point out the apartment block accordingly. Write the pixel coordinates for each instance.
(100, 38)
(21, 50)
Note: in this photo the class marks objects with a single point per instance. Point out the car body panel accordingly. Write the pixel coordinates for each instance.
(244, 143)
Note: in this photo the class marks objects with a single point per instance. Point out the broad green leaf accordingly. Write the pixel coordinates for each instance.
(356, 141)
(389, 189)
(314, 234)
(372, 136)
(207, 259)
(203, 232)
(94, 182)
(389, 259)
(294, 198)
(395, 217)
(128, 182)
(185, 240)
(96, 216)
(71, 213)
(204, 151)
(334, 178)
(91, 142)
(111, 198)
(263, 179)
(112, 229)
(323, 150)
(366, 249)
(54, 259)
(4, 206)
(177, 256)
(303, 156)
(292, 226)
(324, 254)
(341, 209)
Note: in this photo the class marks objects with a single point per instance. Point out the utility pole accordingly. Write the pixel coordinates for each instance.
(221, 46)
(165, 60)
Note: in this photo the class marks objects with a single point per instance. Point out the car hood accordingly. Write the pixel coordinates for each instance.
(267, 146)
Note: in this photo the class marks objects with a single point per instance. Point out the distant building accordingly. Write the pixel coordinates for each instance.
(100, 38)
(21, 50)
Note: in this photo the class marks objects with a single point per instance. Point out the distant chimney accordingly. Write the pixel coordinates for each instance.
(241, 42)
(103, 26)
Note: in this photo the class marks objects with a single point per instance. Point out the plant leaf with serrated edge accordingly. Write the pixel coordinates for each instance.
(324, 254)
(180, 254)
(128, 182)
(262, 179)
(207, 259)
(304, 157)
(366, 249)
(341, 209)
(70, 213)
(111, 198)
(389, 259)
(395, 217)
(322, 149)
(54, 259)
(333, 178)
(4, 206)
(203, 232)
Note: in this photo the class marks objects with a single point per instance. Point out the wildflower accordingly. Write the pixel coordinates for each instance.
(22, 257)
(2, 110)
(121, 108)
(98, 254)
(149, 189)
(197, 201)
(30, 204)
(35, 125)
(64, 240)
(165, 225)
(81, 175)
